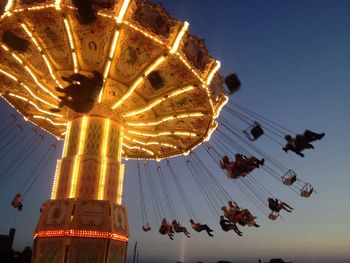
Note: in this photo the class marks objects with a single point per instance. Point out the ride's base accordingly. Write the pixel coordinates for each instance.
(86, 231)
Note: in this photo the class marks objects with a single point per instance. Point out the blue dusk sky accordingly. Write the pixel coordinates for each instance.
(293, 58)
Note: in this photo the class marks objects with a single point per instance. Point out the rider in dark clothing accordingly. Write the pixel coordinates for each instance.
(226, 225)
(199, 227)
(276, 206)
(302, 142)
(178, 228)
(166, 229)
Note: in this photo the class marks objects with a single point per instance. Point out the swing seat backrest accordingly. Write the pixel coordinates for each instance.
(178, 228)
(289, 177)
(17, 201)
(306, 191)
(235, 174)
(273, 216)
(146, 227)
(233, 83)
(289, 180)
(162, 231)
(254, 131)
(305, 194)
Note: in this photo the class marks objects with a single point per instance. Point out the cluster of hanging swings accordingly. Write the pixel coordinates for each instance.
(13, 136)
(241, 167)
(255, 130)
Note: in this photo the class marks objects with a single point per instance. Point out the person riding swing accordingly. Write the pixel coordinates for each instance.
(199, 227)
(180, 229)
(301, 142)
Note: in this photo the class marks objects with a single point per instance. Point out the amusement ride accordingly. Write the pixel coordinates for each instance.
(122, 80)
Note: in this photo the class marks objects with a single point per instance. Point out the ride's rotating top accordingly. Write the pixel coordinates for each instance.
(128, 61)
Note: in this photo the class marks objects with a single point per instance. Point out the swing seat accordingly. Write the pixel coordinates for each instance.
(306, 191)
(162, 231)
(289, 177)
(178, 228)
(146, 227)
(254, 131)
(233, 83)
(273, 216)
(235, 174)
(17, 202)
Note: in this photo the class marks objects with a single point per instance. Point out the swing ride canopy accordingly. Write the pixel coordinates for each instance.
(159, 79)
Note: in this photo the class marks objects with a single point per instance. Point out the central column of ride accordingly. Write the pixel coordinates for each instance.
(84, 220)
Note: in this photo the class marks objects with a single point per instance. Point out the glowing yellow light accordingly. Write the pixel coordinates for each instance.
(104, 15)
(75, 62)
(8, 75)
(69, 33)
(157, 101)
(74, 176)
(123, 11)
(9, 5)
(109, 62)
(178, 38)
(84, 123)
(36, 43)
(164, 133)
(47, 62)
(80, 233)
(49, 120)
(39, 84)
(139, 148)
(138, 81)
(211, 130)
(36, 106)
(19, 60)
(120, 184)
(56, 180)
(120, 144)
(221, 106)
(66, 141)
(106, 137)
(128, 93)
(204, 83)
(15, 56)
(151, 142)
(5, 47)
(180, 91)
(37, 97)
(58, 4)
(167, 118)
(146, 34)
(114, 44)
(76, 165)
(19, 97)
(106, 72)
(31, 36)
(190, 68)
(211, 74)
(25, 117)
(33, 8)
(71, 43)
(154, 65)
(209, 97)
(103, 171)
